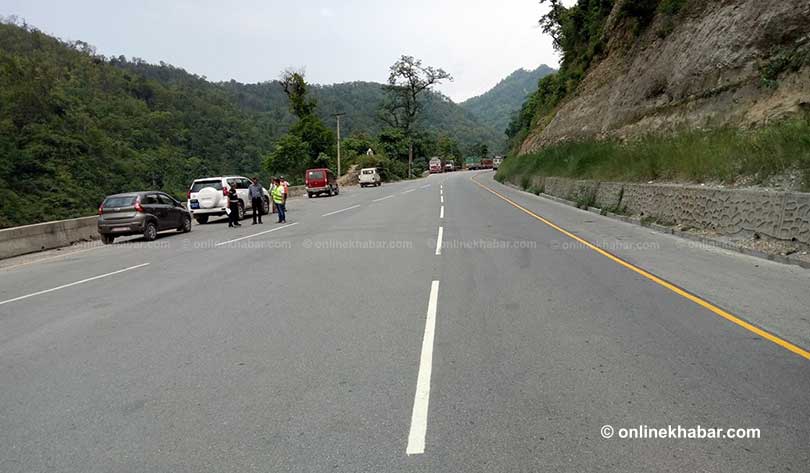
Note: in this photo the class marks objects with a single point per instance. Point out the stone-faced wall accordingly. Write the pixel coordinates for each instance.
(777, 215)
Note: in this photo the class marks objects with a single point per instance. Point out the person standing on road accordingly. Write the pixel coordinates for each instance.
(256, 192)
(280, 198)
(233, 206)
(272, 202)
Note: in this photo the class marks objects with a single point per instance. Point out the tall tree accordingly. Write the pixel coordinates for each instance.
(294, 85)
(407, 81)
(309, 142)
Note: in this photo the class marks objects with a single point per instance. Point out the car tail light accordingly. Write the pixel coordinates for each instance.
(225, 191)
(138, 206)
(188, 195)
(101, 209)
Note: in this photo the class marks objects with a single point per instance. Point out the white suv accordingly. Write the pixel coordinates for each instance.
(369, 177)
(209, 197)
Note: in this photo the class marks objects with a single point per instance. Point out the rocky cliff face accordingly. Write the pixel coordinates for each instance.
(721, 63)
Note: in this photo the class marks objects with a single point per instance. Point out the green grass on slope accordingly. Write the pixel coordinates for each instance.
(697, 156)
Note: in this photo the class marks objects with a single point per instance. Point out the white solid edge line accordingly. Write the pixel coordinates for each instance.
(409, 191)
(425, 186)
(383, 198)
(439, 241)
(441, 212)
(64, 286)
(416, 437)
(341, 210)
(257, 234)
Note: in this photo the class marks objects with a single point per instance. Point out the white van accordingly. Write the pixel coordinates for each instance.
(370, 177)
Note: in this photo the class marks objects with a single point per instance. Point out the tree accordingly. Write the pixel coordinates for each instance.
(407, 81)
(309, 142)
(294, 85)
(290, 155)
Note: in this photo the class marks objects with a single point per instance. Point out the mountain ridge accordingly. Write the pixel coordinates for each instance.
(497, 106)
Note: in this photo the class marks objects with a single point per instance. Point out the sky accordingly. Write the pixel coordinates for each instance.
(479, 42)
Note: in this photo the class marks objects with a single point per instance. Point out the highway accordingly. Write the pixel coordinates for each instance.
(445, 324)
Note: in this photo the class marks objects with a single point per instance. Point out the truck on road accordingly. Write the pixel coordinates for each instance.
(472, 163)
(435, 165)
(486, 163)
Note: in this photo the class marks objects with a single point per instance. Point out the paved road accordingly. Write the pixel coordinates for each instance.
(347, 341)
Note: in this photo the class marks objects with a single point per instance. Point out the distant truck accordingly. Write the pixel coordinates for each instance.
(435, 165)
(449, 167)
(496, 162)
(487, 163)
(472, 164)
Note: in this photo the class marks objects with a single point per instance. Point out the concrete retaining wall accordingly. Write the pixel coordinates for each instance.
(45, 236)
(778, 215)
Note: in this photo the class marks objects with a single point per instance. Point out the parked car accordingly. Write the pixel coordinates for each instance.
(208, 197)
(141, 213)
(370, 177)
(321, 181)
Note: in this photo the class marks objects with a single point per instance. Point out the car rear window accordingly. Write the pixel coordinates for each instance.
(368, 171)
(200, 185)
(316, 174)
(125, 201)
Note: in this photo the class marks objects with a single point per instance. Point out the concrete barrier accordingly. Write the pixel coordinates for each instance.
(18, 241)
(45, 236)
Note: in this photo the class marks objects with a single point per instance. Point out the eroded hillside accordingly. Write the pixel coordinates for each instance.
(704, 64)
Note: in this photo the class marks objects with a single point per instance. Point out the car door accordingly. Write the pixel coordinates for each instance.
(151, 205)
(172, 215)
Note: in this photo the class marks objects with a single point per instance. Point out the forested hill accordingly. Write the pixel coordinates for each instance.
(496, 107)
(75, 126)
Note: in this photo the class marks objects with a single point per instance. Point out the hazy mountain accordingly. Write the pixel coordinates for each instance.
(495, 107)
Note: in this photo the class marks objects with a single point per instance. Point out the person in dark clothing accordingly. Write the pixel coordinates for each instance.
(257, 200)
(233, 206)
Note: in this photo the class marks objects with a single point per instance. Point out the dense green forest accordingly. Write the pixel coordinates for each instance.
(497, 106)
(76, 126)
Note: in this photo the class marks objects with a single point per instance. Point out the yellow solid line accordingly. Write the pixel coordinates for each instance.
(672, 287)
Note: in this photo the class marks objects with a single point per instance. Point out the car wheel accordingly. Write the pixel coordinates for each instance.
(150, 232)
(186, 226)
(241, 211)
(265, 206)
(309, 195)
(107, 239)
(331, 191)
(337, 190)
(202, 219)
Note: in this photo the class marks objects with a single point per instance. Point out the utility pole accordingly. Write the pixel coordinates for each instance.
(338, 115)
(410, 159)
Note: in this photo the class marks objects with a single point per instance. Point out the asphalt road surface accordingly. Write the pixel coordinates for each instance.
(438, 325)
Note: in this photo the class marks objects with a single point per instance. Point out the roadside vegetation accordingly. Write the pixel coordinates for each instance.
(729, 156)
(76, 126)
